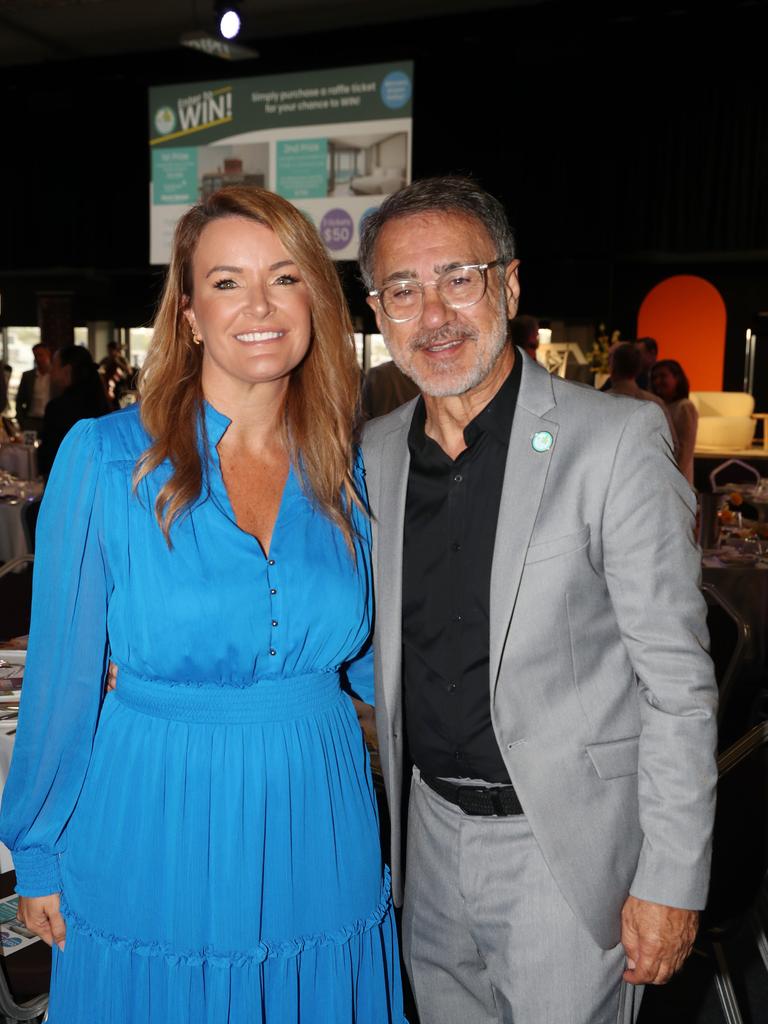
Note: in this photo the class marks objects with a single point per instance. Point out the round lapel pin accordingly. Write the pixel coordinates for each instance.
(542, 441)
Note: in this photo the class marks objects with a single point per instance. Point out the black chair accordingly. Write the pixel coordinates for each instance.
(730, 647)
(29, 515)
(11, 1011)
(16, 597)
(739, 861)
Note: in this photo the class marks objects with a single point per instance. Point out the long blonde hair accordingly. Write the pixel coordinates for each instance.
(323, 391)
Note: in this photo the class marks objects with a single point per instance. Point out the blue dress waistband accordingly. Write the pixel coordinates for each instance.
(273, 699)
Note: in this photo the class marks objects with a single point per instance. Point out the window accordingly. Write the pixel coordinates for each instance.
(138, 344)
(371, 350)
(360, 348)
(378, 349)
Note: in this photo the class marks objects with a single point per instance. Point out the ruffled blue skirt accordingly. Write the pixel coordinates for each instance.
(223, 863)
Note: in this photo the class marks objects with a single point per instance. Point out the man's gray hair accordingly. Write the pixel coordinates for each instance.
(450, 194)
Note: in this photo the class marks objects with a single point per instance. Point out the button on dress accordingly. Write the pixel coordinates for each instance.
(211, 823)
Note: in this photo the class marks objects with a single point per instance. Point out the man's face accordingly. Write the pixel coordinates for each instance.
(42, 357)
(445, 351)
(664, 383)
(648, 355)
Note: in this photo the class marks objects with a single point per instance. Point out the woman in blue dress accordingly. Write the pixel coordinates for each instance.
(201, 845)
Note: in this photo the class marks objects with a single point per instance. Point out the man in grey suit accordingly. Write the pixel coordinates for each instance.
(540, 648)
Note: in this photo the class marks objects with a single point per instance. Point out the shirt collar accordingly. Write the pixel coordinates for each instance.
(215, 422)
(496, 418)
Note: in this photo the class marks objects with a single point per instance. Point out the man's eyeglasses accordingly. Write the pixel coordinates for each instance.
(458, 288)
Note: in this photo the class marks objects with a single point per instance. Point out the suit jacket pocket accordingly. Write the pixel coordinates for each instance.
(615, 758)
(558, 546)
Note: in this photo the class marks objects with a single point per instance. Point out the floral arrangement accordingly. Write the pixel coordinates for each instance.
(598, 355)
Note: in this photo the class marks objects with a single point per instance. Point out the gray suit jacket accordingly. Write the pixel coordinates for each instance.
(602, 694)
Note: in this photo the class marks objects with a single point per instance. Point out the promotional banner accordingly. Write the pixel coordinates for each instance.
(334, 143)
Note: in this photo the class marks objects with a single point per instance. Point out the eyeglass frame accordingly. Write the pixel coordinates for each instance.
(482, 267)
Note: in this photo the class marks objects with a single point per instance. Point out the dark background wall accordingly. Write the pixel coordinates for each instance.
(628, 141)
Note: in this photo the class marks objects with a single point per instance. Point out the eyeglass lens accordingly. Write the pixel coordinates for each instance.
(462, 286)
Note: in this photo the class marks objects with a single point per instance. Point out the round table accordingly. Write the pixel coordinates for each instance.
(19, 459)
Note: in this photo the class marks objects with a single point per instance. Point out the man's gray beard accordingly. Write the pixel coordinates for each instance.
(472, 376)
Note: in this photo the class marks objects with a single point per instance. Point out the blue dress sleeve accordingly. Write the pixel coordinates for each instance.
(65, 669)
(359, 674)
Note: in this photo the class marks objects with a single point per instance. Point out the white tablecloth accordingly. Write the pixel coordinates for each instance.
(19, 459)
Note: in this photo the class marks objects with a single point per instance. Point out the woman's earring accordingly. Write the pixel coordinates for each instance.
(196, 338)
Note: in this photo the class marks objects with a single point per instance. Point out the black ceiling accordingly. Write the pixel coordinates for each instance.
(40, 31)
(33, 31)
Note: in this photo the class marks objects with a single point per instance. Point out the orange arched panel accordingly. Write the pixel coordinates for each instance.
(686, 315)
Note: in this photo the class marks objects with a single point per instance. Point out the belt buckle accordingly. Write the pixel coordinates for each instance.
(494, 793)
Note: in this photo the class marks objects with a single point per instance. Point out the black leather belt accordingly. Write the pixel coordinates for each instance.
(487, 800)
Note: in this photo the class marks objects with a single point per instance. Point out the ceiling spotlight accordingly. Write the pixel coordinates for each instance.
(229, 20)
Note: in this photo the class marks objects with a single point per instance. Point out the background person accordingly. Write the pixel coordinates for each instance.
(34, 390)
(669, 382)
(385, 388)
(115, 373)
(5, 380)
(211, 824)
(649, 353)
(79, 396)
(524, 332)
(625, 362)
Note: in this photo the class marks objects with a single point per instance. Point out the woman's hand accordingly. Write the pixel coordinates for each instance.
(111, 678)
(42, 916)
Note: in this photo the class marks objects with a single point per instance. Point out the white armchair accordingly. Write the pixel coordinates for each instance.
(725, 420)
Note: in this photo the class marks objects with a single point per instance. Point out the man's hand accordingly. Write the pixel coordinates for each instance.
(657, 940)
(367, 719)
(42, 916)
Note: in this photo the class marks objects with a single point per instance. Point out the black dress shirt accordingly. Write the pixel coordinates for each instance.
(451, 512)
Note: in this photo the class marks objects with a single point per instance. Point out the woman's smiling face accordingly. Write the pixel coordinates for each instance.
(664, 383)
(249, 304)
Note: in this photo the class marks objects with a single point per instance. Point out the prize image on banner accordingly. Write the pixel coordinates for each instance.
(244, 164)
(334, 142)
(368, 165)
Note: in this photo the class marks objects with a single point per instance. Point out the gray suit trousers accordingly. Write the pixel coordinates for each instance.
(488, 937)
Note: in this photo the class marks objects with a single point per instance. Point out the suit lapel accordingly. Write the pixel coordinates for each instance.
(390, 513)
(525, 475)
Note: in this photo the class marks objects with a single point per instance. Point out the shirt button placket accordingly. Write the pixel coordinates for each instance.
(274, 600)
